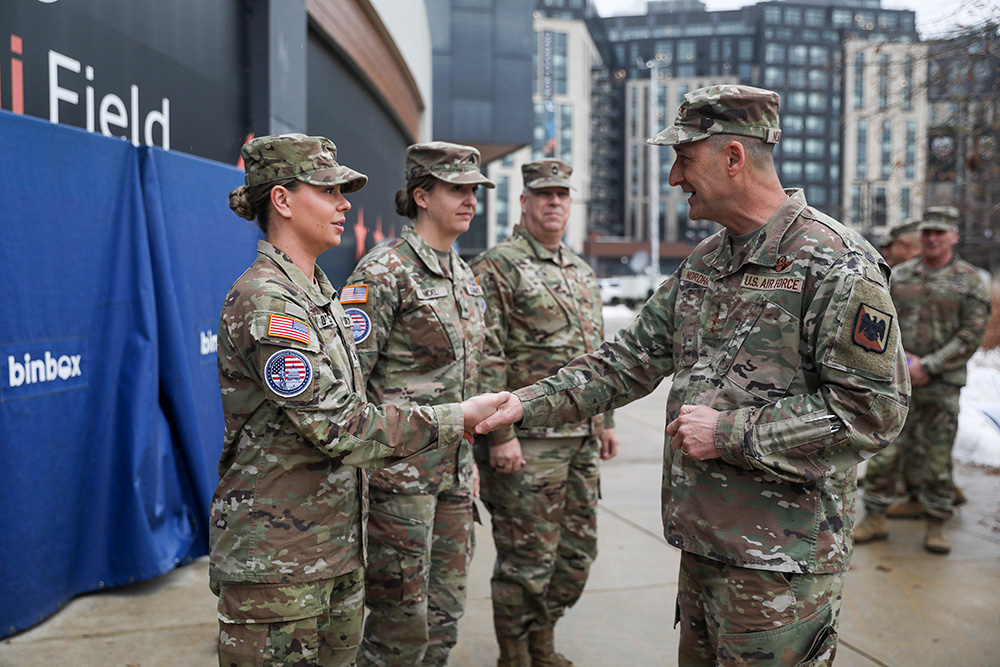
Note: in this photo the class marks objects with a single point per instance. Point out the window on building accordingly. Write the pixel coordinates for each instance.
(685, 71)
(791, 124)
(886, 150)
(772, 14)
(686, 50)
(816, 196)
(818, 56)
(796, 77)
(508, 160)
(774, 77)
(911, 149)
(857, 214)
(879, 207)
(818, 78)
(538, 140)
(633, 111)
(841, 17)
(745, 72)
(907, 83)
(798, 54)
(887, 20)
(792, 171)
(815, 17)
(904, 204)
(815, 147)
(791, 146)
(835, 172)
(859, 80)
(559, 60)
(814, 171)
(566, 132)
(815, 124)
(793, 16)
(746, 49)
(817, 101)
(835, 149)
(636, 176)
(883, 82)
(797, 101)
(862, 163)
(502, 208)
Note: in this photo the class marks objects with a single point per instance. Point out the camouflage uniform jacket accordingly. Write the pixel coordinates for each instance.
(942, 314)
(290, 501)
(543, 309)
(423, 346)
(794, 340)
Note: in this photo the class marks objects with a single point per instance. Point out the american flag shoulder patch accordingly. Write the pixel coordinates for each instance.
(354, 294)
(282, 326)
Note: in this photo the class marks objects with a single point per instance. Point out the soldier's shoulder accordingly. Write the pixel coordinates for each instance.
(823, 235)
(506, 251)
(261, 287)
(705, 247)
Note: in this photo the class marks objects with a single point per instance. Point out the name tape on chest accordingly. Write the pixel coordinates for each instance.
(354, 294)
(787, 284)
(431, 293)
(282, 326)
(288, 373)
(361, 324)
(694, 277)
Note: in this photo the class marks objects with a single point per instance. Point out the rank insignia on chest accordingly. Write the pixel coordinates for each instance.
(361, 324)
(871, 328)
(354, 294)
(282, 326)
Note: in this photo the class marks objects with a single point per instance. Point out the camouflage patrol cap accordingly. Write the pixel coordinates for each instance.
(452, 163)
(942, 218)
(546, 174)
(727, 109)
(309, 159)
(897, 231)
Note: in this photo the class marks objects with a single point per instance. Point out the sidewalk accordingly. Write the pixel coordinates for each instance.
(902, 605)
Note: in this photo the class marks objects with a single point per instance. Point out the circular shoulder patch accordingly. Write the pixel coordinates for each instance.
(361, 324)
(287, 373)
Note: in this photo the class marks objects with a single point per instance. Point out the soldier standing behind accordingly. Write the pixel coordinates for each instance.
(901, 244)
(419, 329)
(943, 305)
(286, 527)
(787, 369)
(544, 309)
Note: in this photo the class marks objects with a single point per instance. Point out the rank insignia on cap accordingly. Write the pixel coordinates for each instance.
(287, 373)
(282, 326)
(354, 294)
(871, 328)
(361, 324)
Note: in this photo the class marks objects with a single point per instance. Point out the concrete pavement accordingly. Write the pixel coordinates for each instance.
(902, 605)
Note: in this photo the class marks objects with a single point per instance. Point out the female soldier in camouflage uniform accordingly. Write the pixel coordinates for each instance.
(419, 331)
(287, 517)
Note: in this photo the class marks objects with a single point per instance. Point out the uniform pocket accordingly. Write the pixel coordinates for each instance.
(397, 555)
(769, 341)
(810, 641)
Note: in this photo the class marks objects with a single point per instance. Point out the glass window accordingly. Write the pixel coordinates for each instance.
(502, 206)
(784, 34)
(746, 49)
(792, 170)
(816, 196)
(745, 72)
(635, 171)
(793, 16)
(685, 70)
(907, 83)
(815, 147)
(859, 80)
(883, 82)
(815, 124)
(774, 53)
(817, 101)
(815, 17)
(835, 172)
(797, 101)
(792, 146)
(559, 60)
(798, 54)
(886, 149)
(818, 78)
(685, 50)
(818, 55)
(878, 207)
(841, 17)
(887, 20)
(774, 77)
(791, 124)
(911, 149)
(835, 149)
(865, 20)
(566, 132)
(797, 77)
(856, 203)
(904, 204)
(772, 14)
(814, 171)
(862, 162)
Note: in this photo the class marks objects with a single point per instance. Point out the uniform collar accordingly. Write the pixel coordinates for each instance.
(558, 256)
(427, 254)
(766, 245)
(320, 293)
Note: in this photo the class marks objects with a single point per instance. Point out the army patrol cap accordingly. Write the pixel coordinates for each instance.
(452, 163)
(311, 160)
(942, 218)
(744, 110)
(546, 174)
(897, 231)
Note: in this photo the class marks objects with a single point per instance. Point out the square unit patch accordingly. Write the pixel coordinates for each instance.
(871, 328)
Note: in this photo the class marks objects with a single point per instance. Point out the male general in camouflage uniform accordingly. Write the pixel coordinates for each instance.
(286, 520)
(544, 309)
(420, 339)
(943, 305)
(787, 369)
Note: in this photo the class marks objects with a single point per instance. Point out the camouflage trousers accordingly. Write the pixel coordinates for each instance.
(739, 616)
(317, 623)
(921, 454)
(544, 528)
(419, 550)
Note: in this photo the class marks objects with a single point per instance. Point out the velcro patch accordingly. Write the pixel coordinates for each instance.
(431, 293)
(788, 284)
(282, 326)
(287, 373)
(354, 294)
(872, 328)
(361, 324)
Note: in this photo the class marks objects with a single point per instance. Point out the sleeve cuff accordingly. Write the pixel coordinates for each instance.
(450, 423)
(527, 396)
(730, 433)
(931, 365)
(500, 436)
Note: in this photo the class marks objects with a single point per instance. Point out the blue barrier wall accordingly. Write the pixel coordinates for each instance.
(114, 263)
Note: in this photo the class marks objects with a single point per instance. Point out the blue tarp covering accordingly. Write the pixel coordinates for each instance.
(114, 263)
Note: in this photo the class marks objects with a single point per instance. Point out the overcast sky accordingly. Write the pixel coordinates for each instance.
(934, 17)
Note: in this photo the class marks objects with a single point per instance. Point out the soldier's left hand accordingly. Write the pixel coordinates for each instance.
(693, 432)
(918, 374)
(609, 444)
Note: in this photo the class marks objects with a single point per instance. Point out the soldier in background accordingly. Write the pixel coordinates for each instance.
(787, 369)
(901, 244)
(419, 330)
(943, 305)
(540, 484)
(287, 519)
